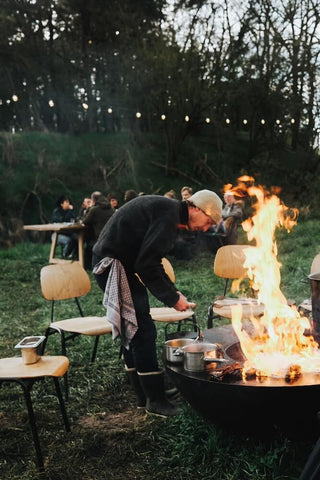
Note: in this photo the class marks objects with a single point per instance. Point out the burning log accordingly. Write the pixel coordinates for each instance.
(293, 373)
(228, 372)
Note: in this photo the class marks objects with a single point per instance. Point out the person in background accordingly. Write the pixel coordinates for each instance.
(113, 201)
(64, 213)
(86, 204)
(129, 195)
(129, 250)
(95, 219)
(170, 194)
(185, 193)
(232, 215)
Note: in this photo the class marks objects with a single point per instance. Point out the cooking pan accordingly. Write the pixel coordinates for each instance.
(197, 355)
(173, 349)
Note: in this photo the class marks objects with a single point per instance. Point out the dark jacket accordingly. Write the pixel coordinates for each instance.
(60, 216)
(96, 218)
(140, 234)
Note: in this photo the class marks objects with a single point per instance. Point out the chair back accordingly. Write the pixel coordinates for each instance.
(62, 281)
(315, 266)
(168, 269)
(229, 261)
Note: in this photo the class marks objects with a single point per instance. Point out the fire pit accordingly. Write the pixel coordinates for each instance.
(253, 405)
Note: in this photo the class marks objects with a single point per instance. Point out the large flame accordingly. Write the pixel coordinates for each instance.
(276, 341)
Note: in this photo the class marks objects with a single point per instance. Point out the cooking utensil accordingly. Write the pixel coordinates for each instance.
(173, 349)
(198, 355)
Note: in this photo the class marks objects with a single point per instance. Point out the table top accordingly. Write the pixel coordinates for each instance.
(55, 227)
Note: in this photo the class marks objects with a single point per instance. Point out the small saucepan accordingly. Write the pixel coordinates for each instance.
(173, 349)
(198, 355)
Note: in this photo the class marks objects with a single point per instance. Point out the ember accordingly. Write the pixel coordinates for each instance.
(293, 373)
(228, 372)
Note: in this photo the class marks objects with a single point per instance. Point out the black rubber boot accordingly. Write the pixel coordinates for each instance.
(136, 385)
(157, 403)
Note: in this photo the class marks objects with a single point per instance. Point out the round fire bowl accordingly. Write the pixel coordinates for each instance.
(254, 406)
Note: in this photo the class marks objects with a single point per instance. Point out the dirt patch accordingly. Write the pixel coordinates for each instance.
(127, 420)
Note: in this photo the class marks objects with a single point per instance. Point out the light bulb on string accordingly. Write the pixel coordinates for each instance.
(138, 115)
(51, 103)
(187, 118)
(207, 120)
(263, 122)
(109, 110)
(15, 98)
(163, 117)
(85, 106)
(228, 121)
(245, 121)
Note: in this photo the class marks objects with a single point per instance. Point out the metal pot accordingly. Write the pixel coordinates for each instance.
(173, 349)
(196, 356)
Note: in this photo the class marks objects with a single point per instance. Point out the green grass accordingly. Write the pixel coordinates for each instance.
(109, 438)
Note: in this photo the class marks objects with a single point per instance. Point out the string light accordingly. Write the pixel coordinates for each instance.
(245, 121)
(51, 103)
(163, 117)
(186, 118)
(85, 106)
(110, 110)
(138, 115)
(263, 122)
(15, 98)
(207, 120)
(278, 122)
(227, 121)
(293, 121)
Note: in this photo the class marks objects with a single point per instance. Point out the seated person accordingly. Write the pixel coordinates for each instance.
(186, 193)
(129, 195)
(95, 219)
(64, 213)
(86, 204)
(170, 194)
(113, 201)
(232, 215)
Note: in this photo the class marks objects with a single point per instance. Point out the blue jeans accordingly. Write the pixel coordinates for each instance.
(142, 353)
(69, 243)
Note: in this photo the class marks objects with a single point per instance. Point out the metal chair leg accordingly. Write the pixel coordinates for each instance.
(62, 405)
(39, 459)
(95, 347)
(210, 317)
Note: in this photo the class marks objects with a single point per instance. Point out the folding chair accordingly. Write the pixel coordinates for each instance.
(228, 264)
(70, 281)
(169, 315)
(14, 370)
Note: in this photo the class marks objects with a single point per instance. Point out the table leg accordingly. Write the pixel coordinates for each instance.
(80, 248)
(53, 246)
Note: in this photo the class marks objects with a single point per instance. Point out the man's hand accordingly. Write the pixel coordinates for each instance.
(183, 304)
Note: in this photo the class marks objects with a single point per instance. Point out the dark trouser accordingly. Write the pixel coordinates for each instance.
(142, 353)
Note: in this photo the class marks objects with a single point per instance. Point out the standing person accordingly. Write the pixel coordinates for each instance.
(64, 213)
(95, 219)
(133, 243)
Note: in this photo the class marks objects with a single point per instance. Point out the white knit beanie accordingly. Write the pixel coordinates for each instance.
(209, 203)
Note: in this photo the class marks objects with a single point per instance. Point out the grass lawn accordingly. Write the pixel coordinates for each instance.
(110, 438)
